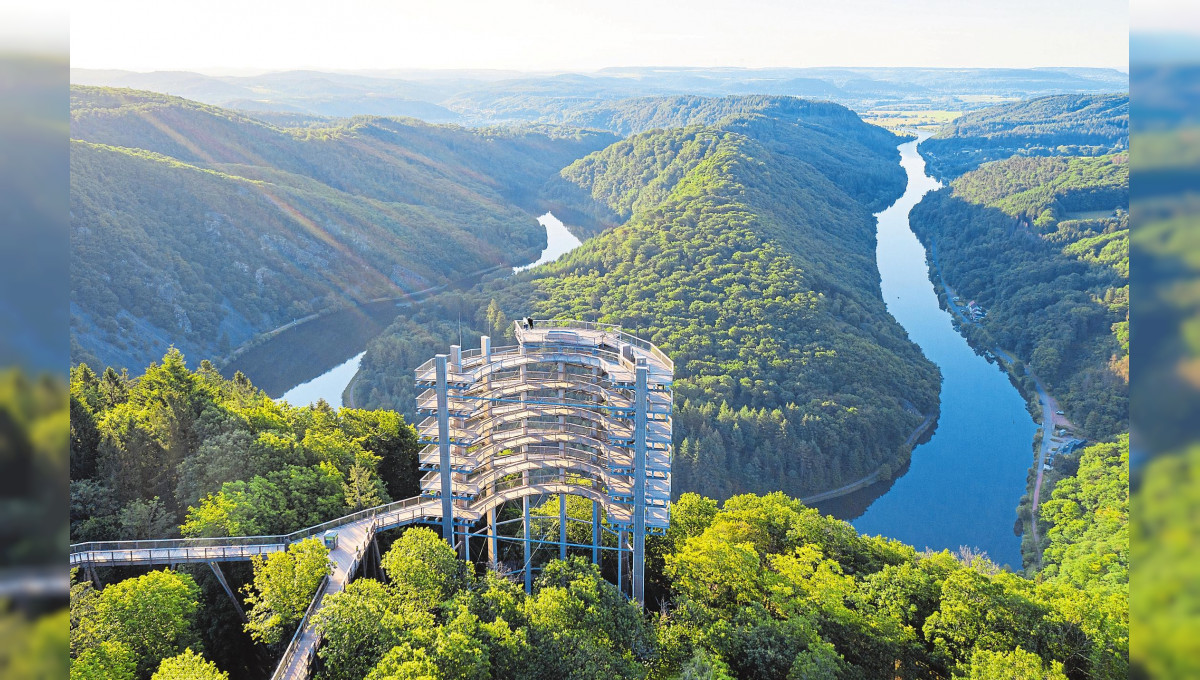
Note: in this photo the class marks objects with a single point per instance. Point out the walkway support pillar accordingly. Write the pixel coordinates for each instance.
(621, 560)
(525, 525)
(493, 540)
(443, 405)
(237, 606)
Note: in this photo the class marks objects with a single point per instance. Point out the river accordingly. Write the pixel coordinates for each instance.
(317, 359)
(559, 241)
(963, 484)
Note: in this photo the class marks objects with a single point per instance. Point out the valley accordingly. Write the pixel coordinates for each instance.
(271, 282)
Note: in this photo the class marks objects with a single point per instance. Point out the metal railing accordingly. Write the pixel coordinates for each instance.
(289, 654)
(207, 549)
(608, 329)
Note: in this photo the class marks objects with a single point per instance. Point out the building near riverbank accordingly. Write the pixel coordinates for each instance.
(574, 409)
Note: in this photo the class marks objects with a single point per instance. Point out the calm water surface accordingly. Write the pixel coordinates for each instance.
(963, 485)
(318, 359)
(328, 386)
(559, 241)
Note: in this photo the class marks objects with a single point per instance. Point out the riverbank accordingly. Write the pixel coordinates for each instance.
(307, 354)
(348, 393)
(876, 476)
(1046, 411)
(405, 300)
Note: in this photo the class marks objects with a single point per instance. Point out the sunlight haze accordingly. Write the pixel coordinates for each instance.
(537, 35)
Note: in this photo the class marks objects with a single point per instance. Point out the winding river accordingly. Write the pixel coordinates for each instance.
(963, 485)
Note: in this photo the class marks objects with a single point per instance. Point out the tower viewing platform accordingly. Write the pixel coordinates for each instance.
(574, 408)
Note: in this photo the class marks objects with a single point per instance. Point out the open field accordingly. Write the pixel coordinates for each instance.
(908, 118)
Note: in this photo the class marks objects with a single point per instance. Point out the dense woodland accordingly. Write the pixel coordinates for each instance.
(743, 259)
(225, 227)
(1056, 125)
(758, 587)
(1043, 245)
(180, 452)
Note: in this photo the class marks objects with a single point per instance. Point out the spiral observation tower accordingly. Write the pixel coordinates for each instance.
(573, 409)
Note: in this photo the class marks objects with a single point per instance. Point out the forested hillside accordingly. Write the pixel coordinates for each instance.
(199, 227)
(1056, 125)
(1087, 520)
(760, 589)
(1043, 245)
(744, 260)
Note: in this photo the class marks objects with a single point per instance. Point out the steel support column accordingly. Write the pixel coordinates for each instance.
(595, 532)
(444, 449)
(493, 540)
(237, 606)
(640, 399)
(621, 560)
(562, 525)
(525, 525)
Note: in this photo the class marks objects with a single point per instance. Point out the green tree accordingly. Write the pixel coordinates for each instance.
(819, 662)
(405, 662)
(423, 568)
(1017, 664)
(705, 666)
(153, 615)
(107, 660)
(582, 627)
(188, 666)
(144, 519)
(283, 586)
(716, 573)
(220, 514)
(362, 489)
(361, 624)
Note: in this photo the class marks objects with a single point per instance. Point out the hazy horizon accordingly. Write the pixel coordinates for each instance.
(219, 72)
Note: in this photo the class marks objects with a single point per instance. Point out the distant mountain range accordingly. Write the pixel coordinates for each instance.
(483, 97)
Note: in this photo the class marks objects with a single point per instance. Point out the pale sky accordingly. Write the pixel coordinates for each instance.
(582, 35)
(1170, 16)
